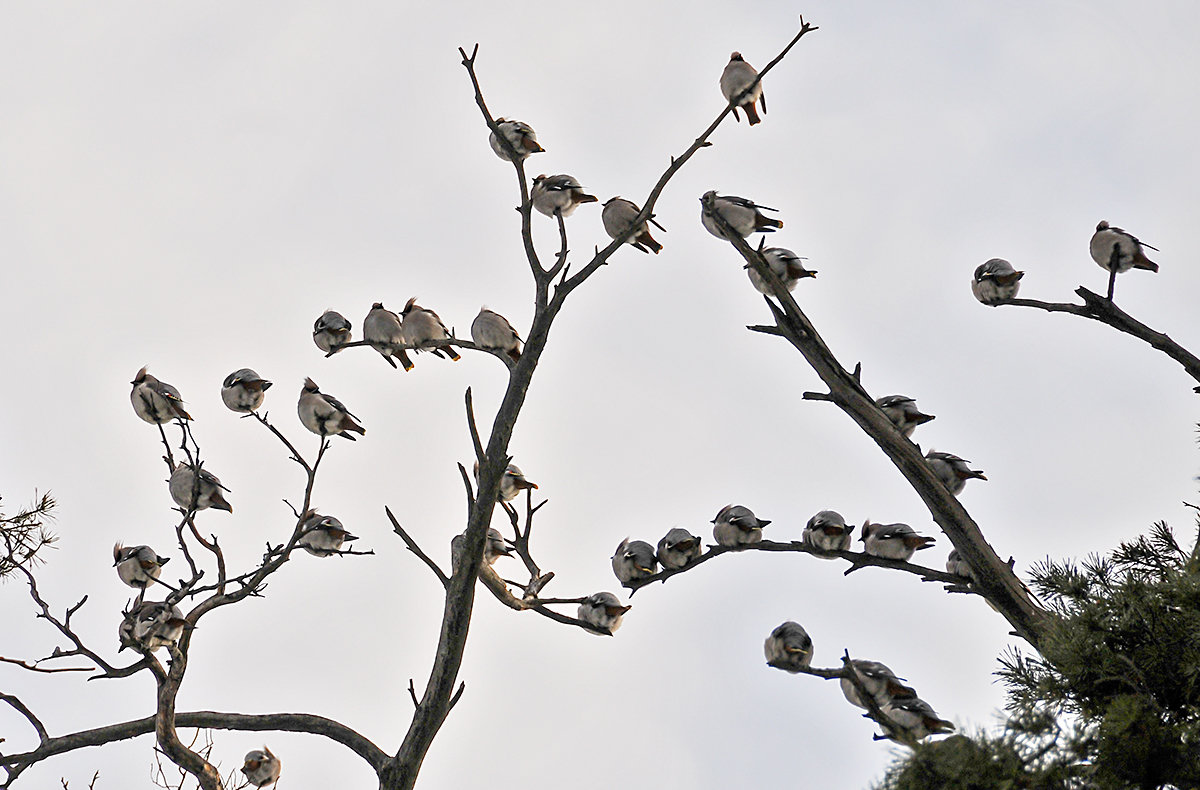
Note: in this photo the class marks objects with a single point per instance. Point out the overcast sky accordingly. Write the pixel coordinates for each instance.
(189, 185)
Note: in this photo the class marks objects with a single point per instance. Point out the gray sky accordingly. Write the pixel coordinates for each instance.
(190, 185)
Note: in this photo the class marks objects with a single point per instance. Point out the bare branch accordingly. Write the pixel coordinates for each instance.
(415, 549)
(475, 441)
(35, 668)
(33, 720)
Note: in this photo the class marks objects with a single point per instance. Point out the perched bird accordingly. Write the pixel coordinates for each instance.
(789, 648)
(787, 267)
(618, 215)
(520, 136)
(903, 411)
(634, 560)
(561, 193)
(197, 492)
(893, 541)
(494, 547)
(1119, 251)
(742, 215)
(156, 401)
(736, 525)
(828, 531)
(138, 566)
(512, 482)
(324, 414)
(151, 625)
(954, 472)
(677, 548)
(958, 566)
(996, 281)
(382, 329)
(912, 719)
(242, 390)
(491, 331)
(603, 611)
(877, 680)
(261, 767)
(322, 536)
(331, 331)
(735, 79)
(421, 325)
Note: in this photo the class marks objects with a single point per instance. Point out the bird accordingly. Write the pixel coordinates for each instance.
(789, 648)
(261, 767)
(912, 719)
(138, 566)
(741, 214)
(322, 536)
(878, 680)
(520, 136)
(242, 391)
(634, 560)
(736, 525)
(618, 214)
(324, 414)
(494, 547)
(156, 401)
(735, 79)
(151, 625)
(492, 332)
(996, 281)
(1119, 251)
(902, 410)
(677, 548)
(893, 541)
(421, 325)
(331, 331)
(193, 491)
(786, 265)
(828, 531)
(958, 566)
(512, 482)
(560, 193)
(602, 611)
(383, 331)
(954, 472)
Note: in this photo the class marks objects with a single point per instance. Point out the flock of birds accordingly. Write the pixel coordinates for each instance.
(151, 625)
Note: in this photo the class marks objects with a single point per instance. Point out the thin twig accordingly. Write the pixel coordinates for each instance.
(415, 549)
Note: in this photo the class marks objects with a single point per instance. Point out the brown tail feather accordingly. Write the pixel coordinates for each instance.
(654, 246)
(751, 113)
(454, 355)
(586, 199)
(404, 360)
(514, 354)
(768, 222)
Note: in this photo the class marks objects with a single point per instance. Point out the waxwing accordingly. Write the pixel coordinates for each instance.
(996, 281)
(138, 566)
(492, 332)
(561, 193)
(736, 525)
(958, 566)
(893, 541)
(331, 331)
(512, 482)
(743, 215)
(322, 536)
(903, 411)
(634, 560)
(788, 648)
(912, 719)
(520, 136)
(1116, 249)
(954, 472)
(786, 265)
(735, 79)
(618, 215)
(603, 611)
(261, 767)
(197, 492)
(151, 625)
(242, 391)
(677, 548)
(381, 328)
(828, 531)
(324, 414)
(156, 401)
(879, 681)
(422, 325)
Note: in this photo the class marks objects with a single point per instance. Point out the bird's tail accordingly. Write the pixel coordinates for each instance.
(751, 113)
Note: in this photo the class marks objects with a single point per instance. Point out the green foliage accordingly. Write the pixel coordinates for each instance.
(1112, 700)
(24, 534)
